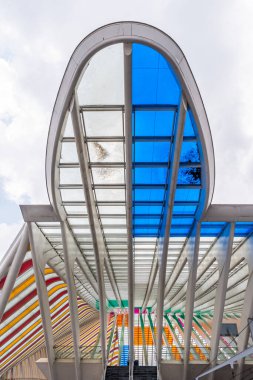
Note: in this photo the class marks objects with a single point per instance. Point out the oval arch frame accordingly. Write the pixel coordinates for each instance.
(123, 32)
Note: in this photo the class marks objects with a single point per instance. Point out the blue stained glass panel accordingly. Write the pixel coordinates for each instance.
(189, 176)
(150, 175)
(153, 123)
(189, 210)
(189, 152)
(187, 195)
(188, 127)
(147, 195)
(148, 210)
(149, 221)
(153, 80)
(151, 151)
(182, 221)
(179, 231)
(243, 229)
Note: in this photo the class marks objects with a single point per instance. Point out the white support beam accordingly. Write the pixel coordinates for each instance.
(231, 361)
(228, 213)
(7, 259)
(151, 281)
(13, 270)
(192, 251)
(129, 210)
(164, 240)
(97, 236)
(46, 213)
(38, 245)
(223, 251)
(247, 311)
(69, 251)
(38, 213)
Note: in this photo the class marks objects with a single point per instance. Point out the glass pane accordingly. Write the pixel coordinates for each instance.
(187, 195)
(153, 79)
(68, 152)
(108, 176)
(189, 176)
(72, 195)
(150, 175)
(106, 151)
(151, 151)
(189, 152)
(102, 123)
(70, 176)
(153, 123)
(102, 82)
(109, 210)
(110, 195)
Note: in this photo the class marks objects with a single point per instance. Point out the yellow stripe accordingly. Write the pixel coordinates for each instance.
(29, 309)
(30, 280)
(36, 336)
(32, 327)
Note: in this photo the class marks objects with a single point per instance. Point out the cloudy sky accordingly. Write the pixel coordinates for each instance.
(36, 41)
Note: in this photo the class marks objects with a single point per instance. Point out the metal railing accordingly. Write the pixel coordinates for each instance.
(198, 353)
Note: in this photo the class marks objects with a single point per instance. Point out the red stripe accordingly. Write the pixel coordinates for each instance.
(33, 343)
(35, 315)
(24, 267)
(27, 298)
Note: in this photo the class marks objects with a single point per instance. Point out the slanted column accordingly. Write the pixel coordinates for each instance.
(96, 232)
(38, 246)
(192, 250)
(222, 253)
(69, 252)
(13, 270)
(247, 311)
(164, 239)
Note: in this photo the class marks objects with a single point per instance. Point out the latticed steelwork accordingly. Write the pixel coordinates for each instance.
(130, 255)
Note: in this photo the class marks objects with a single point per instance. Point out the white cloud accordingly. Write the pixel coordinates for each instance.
(8, 232)
(37, 39)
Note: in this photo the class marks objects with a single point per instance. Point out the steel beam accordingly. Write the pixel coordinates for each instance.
(38, 213)
(69, 260)
(222, 253)
(231, 361)
(38, 245)
(144, 343)
(229, 213)
(192, 251)
(14, 270)
(46, 214)
(7, 259)
(128, 144)
(203, 265)
(164, 242)
(247, 310)
(151, 281)
(97, 237)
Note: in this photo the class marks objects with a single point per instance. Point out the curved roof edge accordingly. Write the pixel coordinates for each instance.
(108, 35)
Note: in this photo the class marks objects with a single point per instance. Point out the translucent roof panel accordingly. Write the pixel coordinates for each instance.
(102, 80)
(153, 79)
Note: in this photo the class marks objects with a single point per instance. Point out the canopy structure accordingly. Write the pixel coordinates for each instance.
(131, 260)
